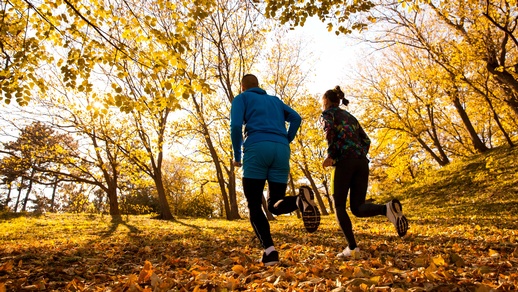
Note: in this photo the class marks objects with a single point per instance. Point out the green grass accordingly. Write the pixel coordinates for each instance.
(463, 237)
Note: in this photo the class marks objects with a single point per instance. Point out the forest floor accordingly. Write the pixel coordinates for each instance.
(463, 237)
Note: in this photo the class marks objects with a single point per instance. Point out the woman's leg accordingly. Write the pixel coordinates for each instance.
(359, 185)
(340, 180)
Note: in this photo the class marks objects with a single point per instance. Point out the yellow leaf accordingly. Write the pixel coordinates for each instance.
(439, 261)
(375, 279)
(358, 273)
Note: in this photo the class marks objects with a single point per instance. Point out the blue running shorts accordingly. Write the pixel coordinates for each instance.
(267, 160)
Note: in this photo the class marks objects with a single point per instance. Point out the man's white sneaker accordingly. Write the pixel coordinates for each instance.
(347, 253)
(395, 215)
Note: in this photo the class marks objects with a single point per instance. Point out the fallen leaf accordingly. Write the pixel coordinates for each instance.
(7, 266)
(238, 269)
(146, 272)
(439, 261)
(493, 253)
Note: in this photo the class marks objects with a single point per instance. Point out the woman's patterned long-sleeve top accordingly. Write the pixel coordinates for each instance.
(345, 137)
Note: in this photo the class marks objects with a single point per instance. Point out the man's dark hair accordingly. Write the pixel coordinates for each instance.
(249, 81)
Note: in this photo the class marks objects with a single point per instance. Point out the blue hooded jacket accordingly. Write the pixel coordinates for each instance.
(264, 117)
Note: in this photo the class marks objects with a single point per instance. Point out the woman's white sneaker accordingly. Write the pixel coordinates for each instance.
(347, 253)
(395, 215)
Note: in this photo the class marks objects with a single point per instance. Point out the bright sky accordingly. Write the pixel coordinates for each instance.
(338, 55)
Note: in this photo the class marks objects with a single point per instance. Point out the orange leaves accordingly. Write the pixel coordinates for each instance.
(238, 269)
(178, 257)
(145, 274)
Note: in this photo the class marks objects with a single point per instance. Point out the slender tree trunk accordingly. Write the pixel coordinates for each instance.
(53, 197)
(221, 183)
(325, 182)
(433, 134)
(477, 143)
(18, 198)
(29, 189)
(308, 175)
(497, 120)
(230, 213)
(232, 194)
(432, 153)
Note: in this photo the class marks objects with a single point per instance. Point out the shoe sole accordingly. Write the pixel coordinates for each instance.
(401, 221)
(402, 226)
(311, 214)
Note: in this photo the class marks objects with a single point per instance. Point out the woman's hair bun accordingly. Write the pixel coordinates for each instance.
(339, 92)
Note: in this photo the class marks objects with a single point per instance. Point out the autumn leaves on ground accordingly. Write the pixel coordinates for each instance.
(463, 237)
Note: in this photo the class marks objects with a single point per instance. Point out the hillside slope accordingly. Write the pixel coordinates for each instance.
(484, 184)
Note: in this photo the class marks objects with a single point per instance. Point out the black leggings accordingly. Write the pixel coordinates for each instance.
(352, 175)
(278, 204)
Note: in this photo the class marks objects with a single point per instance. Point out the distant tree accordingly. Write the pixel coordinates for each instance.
(38, 150)
(11, 172)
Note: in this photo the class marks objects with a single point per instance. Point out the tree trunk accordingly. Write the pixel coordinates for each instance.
(507, 80)
(325, 182)
(19, 196)
(113, 202)
(308, 175)
(230, 213)
(165, 210)
(477, 143)
(29, 189)
(432, 153)
(435, 138)
(53, 197)
(232, 194)
(498, 123)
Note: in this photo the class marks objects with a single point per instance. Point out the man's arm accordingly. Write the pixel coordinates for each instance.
(292, 117)
(237, 112)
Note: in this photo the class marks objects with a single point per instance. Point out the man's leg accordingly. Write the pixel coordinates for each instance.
(278, 202)
(254, 192)
(278, 171)
(253, 189)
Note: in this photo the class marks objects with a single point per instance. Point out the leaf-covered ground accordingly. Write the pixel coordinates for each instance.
(463, 237)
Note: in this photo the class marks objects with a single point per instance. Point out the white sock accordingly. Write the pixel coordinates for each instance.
(269, 250)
